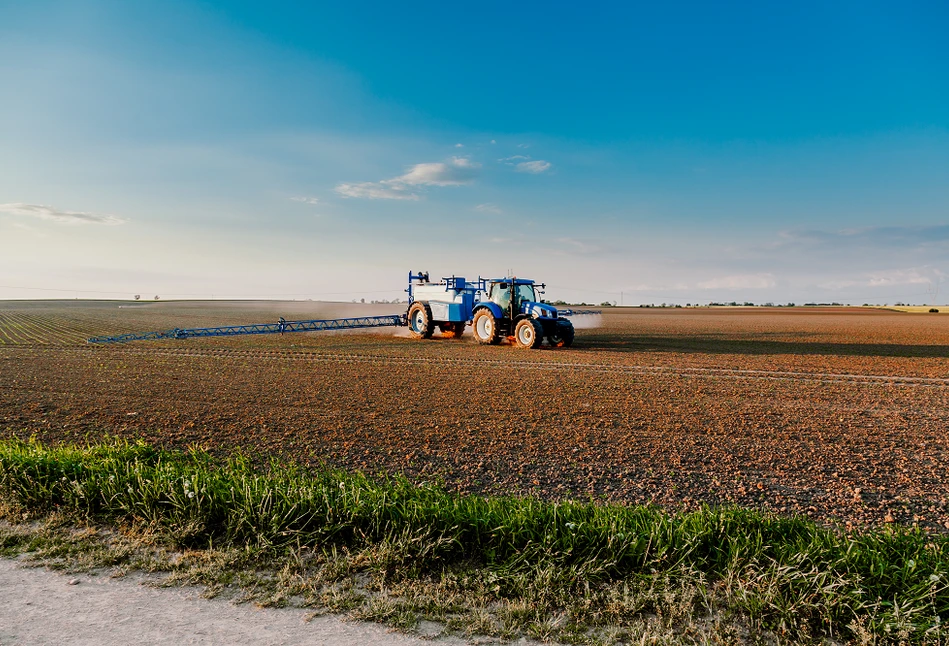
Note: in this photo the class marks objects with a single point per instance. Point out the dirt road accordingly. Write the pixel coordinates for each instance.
(38, 606)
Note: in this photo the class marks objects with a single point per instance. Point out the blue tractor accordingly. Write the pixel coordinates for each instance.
(496, 308)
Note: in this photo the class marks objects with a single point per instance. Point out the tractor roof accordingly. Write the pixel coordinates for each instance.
(516, 281)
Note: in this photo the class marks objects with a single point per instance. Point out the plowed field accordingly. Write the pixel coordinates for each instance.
(839, 414)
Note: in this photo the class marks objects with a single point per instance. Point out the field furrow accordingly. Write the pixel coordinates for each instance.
(56, 329)
(836, 414)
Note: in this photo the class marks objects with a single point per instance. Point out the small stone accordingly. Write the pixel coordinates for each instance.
(889, 518)
(73, 581)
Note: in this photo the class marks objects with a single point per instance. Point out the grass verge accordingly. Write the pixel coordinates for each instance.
(388, 550)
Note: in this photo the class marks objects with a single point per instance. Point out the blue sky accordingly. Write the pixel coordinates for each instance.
(652, 152)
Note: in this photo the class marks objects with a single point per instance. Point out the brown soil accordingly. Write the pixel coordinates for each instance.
(839, 414)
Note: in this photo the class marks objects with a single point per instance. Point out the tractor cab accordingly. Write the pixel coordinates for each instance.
(525, 295)
(501, 291)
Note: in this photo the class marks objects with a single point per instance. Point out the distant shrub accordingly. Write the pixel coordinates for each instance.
(933, 310)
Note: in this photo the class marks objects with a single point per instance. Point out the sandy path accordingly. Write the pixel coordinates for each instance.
(38, 606)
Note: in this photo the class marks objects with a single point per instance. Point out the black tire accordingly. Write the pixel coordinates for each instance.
(451, 329)
(528, 334)
(485, 327)
(562, 335)
(420, 321)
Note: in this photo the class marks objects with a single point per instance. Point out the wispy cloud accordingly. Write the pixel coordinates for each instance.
(524, 164)
(911, 277)
(576, 246)
(534, 167)
(375, 191)
(891, 278)
(457, 171)
(23, 226)
(657, 288)
(489, 207)
(741, 281)
(306, 200)
(45, 212)
(895, 236)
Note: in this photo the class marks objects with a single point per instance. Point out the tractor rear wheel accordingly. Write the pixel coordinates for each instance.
(485, 327)
(528, 333)
(421, 325)
(562, 335)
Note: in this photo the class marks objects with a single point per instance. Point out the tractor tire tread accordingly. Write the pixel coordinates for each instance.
(425, 330)
(494, 336)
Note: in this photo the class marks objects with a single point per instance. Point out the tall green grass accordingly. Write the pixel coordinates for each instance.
(786, 574)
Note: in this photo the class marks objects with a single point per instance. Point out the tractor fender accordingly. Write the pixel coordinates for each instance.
(494, 307)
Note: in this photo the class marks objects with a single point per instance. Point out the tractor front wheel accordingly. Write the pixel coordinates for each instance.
(562, 335)
(485, 327)
(421, 325)
(528, 333)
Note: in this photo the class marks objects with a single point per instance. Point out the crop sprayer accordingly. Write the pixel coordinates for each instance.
(496, 308)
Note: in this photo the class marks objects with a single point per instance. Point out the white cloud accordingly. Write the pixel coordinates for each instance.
(533, 167)
(44, 212)
(489, 207)
(459, 145)
(895, 278)
(493, 141)
(375, 191)
(457, 171)
(904, 277)
(741, 281)
(306, 200)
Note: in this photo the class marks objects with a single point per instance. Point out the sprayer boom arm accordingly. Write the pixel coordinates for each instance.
(392, 320)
